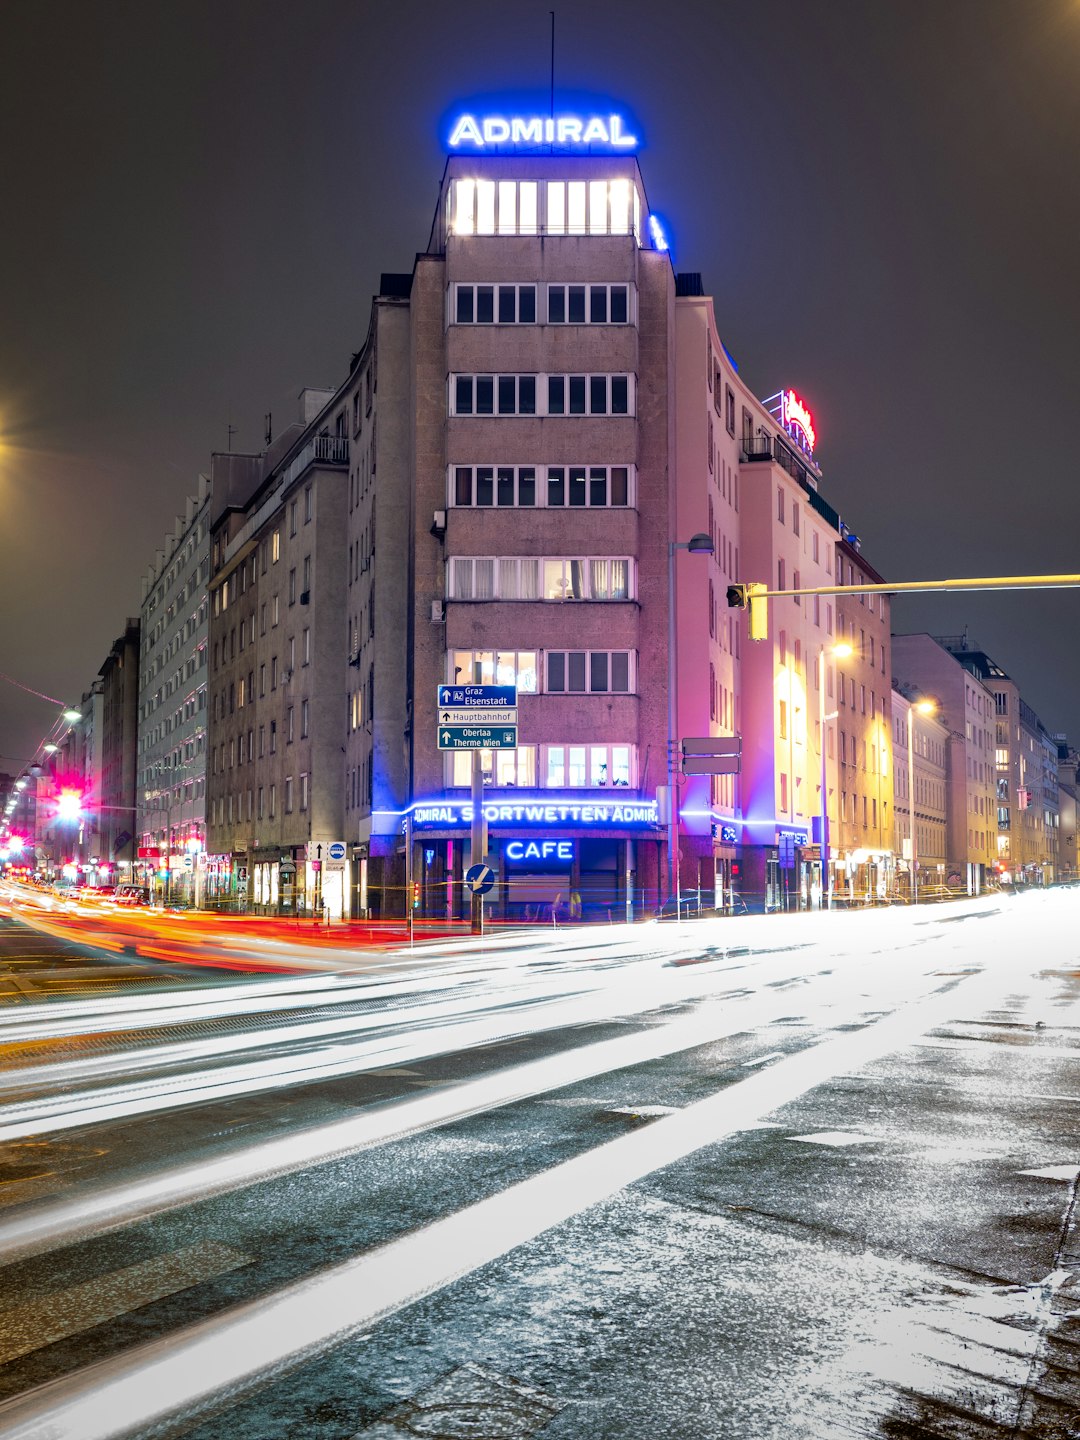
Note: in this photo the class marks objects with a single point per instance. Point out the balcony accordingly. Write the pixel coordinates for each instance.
(320, 450)
(757, 447)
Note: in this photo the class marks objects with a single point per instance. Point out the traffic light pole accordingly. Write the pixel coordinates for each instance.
(754, 594)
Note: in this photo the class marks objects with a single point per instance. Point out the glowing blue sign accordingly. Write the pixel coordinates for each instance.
(533, 131)
(552, 811)
(539, 850)
(656, 232)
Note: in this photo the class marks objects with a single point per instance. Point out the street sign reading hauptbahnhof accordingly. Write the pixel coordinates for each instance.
(477, 737)
(460, 716)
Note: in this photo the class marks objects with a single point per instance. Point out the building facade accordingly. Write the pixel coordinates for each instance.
(114, 799)
(172, 731)
(277, 668)
(1026, 773)
(921, 826)
(925, 669)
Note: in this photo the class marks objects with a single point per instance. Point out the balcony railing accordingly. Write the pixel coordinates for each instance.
(320, 450)
(757, 447)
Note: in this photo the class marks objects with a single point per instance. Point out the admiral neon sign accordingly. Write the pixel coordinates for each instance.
(796, 418)
(571, 131)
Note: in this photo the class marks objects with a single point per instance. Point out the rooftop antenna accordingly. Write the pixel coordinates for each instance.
(552, 14)
(269, 427)
(232, 431)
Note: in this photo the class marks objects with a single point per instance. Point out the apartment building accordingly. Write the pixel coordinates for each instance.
(113, 802)
(1025, 769)
(172, 728)
(923, 668)
(277, 667)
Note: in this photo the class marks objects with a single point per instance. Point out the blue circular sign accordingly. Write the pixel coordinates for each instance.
(480, 879)
(336, 851)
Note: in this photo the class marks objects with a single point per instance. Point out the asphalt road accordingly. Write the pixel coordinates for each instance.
(788, 1177)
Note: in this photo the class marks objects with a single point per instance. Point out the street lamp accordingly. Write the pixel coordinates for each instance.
(697, 545)
(924, 707)
(841, 651)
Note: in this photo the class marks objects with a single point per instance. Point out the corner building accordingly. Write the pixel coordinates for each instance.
(542, 364)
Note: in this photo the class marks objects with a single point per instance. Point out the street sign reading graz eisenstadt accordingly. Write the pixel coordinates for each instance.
(477, 697)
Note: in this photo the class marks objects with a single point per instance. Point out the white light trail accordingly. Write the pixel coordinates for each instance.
(182, 1373)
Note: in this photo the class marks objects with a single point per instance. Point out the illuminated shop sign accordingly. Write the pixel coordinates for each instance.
(567, 814)
(795, 416)
(477, 132)
(797, 419)
(539, 850)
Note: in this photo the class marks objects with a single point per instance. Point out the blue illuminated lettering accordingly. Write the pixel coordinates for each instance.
(534, 130)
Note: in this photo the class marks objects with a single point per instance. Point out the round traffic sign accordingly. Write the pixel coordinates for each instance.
(336, 850)
(480, 879)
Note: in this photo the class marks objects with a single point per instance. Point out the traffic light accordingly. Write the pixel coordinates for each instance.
(416, 895)
(752, 596)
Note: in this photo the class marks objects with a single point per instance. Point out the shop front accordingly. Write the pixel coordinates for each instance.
(556, 859)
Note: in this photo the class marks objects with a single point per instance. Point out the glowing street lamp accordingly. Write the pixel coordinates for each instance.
(699, 544)
(69, 805)
(72, 715)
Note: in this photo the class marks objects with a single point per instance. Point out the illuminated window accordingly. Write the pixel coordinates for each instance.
(485, 207)
(494, 667)
(575, 207)
(463, 214)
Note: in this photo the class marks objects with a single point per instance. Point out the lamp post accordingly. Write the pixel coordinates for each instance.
(840, 650)
(924, 707)
(699, 544)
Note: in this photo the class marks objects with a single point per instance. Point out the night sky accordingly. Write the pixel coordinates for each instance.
(883, 197)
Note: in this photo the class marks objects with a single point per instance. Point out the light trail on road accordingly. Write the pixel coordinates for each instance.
(178, 1376)
(528, 1007)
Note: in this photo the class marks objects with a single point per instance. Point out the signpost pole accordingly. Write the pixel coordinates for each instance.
(476, 840)
(409, 875)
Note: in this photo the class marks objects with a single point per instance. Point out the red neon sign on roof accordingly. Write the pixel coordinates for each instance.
(794, 412)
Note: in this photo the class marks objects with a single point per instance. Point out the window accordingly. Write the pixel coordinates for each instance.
(292, 587)
(729, 409)
(528, 577)
(588, 672)
(483, 486)
(493, 395)
(588, 304)
(308, 498)
(275, 546)
(595, 485)
(494, 667)
(304, 778)
(597, 207)
(589, 395)
(494, 304)
(290, 729)
(304, 719)
(305, 648)
(479, 207)
(553, 395)
(288, 795)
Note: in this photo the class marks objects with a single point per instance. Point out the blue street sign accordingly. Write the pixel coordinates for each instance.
(477, 737)
(480, 879)
(336, 850)
(478, 697)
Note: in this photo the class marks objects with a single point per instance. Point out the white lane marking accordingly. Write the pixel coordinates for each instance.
(30, 1326)
(762, 1060)
(1054, 1172)
(835, 1137)
(182, 1372)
